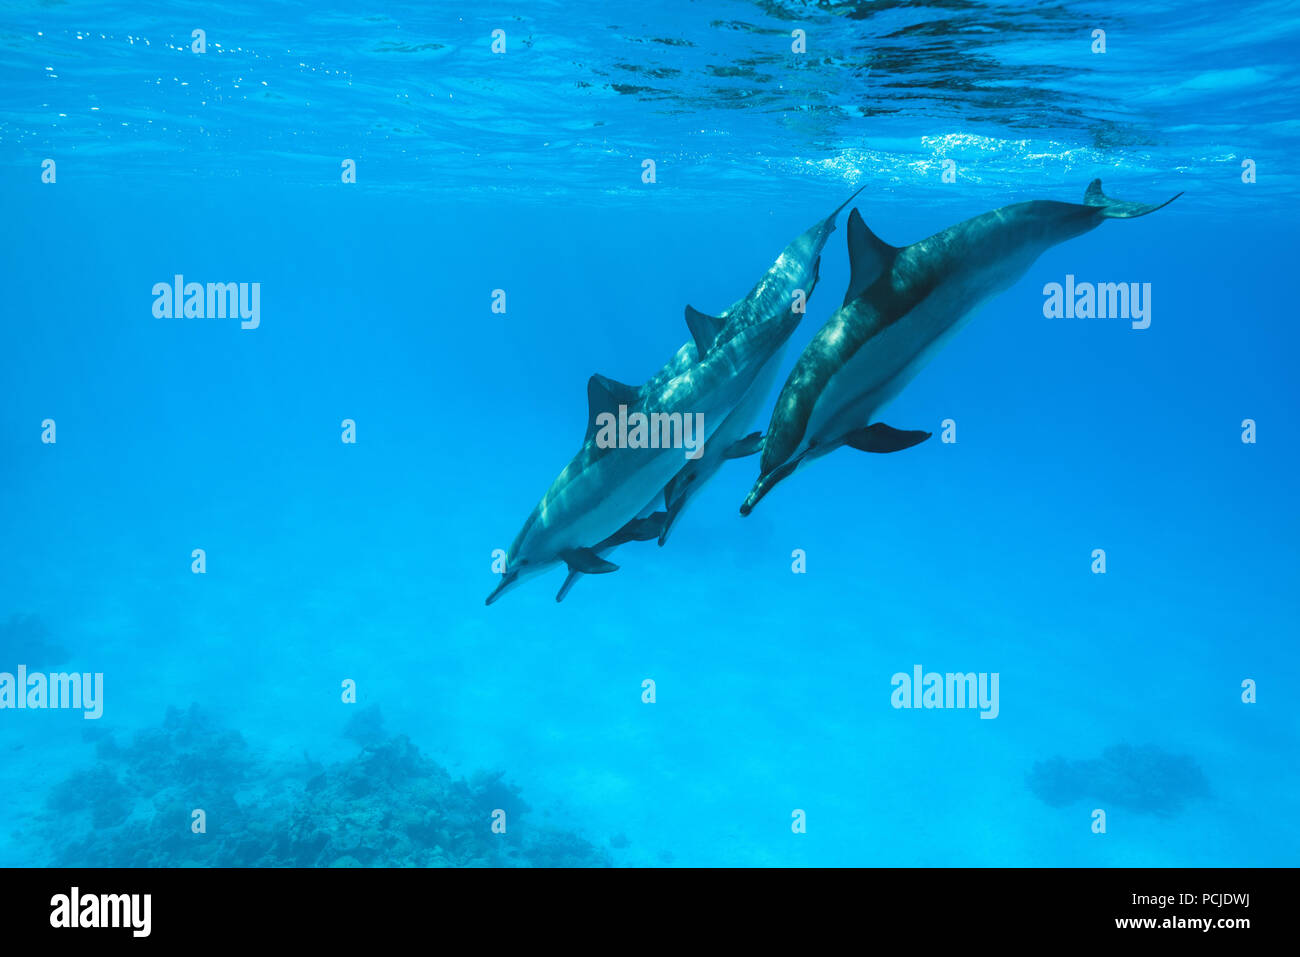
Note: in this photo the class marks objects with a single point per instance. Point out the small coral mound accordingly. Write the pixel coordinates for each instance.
(1145, 779)
(389, 806)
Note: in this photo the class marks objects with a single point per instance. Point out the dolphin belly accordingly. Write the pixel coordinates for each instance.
(601, 500)
(736, 426)
(597, 494)
(688, 479)
(602, 497)
(890, 360)
(740, 421)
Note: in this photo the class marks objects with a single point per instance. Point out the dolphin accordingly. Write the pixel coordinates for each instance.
(902, 306)
(653, 522)
(606, 496)
(800, 260)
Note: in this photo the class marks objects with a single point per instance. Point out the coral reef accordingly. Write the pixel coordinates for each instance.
(1145, 779)
(389, 806)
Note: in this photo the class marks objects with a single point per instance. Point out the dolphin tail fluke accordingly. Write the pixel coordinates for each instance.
(1118, 208)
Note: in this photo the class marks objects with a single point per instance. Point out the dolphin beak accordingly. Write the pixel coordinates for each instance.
(824, 229)
(507, 580)
(839, 209)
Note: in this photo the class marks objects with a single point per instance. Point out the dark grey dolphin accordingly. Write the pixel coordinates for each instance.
(606, 496)
(902, 306)
(796, 268)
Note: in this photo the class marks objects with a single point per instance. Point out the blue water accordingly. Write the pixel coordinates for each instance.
(522, 171)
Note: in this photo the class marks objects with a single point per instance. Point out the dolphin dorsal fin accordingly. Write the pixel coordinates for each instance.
(606, 395)
(704, 329)
(869, 256)
(1118, 208)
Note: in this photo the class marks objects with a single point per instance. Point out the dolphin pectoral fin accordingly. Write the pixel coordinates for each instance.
(586, 561)
(568, 583)
(676, 494)
(637, 530)
(1118, 208)
(883, 438)
(670, 516)
(606, 395)
(869, 256)
(704, 329)
(749, 445)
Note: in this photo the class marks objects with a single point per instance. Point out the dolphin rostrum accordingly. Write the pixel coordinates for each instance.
(606, 495)
(902, 306)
